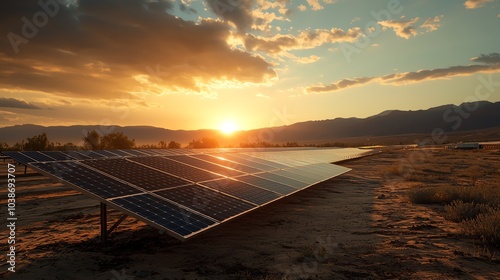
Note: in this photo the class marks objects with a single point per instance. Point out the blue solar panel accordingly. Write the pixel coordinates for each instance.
(37, 156)
(57, 155)
(228, 163)
(86, 179)
(211, 203)
(139, 175)
(161, 212)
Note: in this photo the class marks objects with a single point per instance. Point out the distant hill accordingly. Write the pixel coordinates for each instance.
(450, 118)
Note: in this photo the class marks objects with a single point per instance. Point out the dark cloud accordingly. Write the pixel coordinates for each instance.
(15, 103)
(492, 58)
(413, 77)
(239, 12)
(110, 48)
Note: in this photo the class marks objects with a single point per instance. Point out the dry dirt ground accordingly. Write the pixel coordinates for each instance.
(357, 226)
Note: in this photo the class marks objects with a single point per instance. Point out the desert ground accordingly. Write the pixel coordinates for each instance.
(360, 225)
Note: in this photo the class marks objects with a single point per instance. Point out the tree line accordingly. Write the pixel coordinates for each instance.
(117, 140)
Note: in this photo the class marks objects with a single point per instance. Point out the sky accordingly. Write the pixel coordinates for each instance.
(241, 64)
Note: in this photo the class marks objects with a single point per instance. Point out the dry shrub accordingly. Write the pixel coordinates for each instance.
(458, 210)
(485, 226)
(446, 194)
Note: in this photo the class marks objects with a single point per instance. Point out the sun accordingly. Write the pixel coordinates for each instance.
(228, 127)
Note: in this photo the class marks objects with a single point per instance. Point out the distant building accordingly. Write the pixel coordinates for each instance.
(467, 146)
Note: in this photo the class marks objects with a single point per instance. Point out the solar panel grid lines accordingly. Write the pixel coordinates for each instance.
(266, 184)
(243, 190)
(295, 176)
(137, 174)
(260, 160)
(282, 180)
(37, 156)
(227, 163)
(58, 155)
(85, 179)
(207, 201)
(178, 169)
(247, 162)
(160, 213)
(77, 155)
(19, 157)
(216, 168)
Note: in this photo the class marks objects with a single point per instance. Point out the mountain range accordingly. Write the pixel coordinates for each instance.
(465, 117)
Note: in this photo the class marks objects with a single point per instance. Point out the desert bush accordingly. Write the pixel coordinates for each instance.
(458, 210)
(446, 194)
(485, 226)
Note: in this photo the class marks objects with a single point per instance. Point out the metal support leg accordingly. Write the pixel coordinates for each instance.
(104, 224)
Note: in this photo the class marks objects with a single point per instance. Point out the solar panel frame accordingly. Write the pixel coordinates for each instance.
(182, 214)
(266, 184)
(57, 155)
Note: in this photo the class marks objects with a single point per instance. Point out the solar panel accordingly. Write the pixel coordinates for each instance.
(227, 163)
(242, 190)
(206, 165)
(37, 156)
(19, 157)
(282, 180)
(182, 221)
(266, 184)
(211, 203)
(139, 175)
(77, 155)
(57, 155)
(185, 192)
(247, 162)
(178, 169)
(86, 179)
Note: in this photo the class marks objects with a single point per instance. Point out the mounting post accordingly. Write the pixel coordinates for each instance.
(104, 223)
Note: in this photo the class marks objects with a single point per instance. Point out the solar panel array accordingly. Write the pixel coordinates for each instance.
(185, 192)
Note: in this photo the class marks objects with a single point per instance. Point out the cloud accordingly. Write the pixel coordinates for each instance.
(304, 40)
(302, 8)
(15, 103)
(315, 5)
(109, 49)
(344, 83)
(492, 58)
(238, 12)
(414, 77)
(431, 24)
(474, 4)
(408, 28)
(402, 28)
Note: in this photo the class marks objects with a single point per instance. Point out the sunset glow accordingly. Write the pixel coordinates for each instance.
(228, 127)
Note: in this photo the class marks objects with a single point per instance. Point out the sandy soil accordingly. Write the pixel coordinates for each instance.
(357, 226)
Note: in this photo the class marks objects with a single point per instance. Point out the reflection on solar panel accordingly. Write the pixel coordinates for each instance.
(139, 175)
(86, 179)
(185, 192)
(227, 163)
(242, 190)
(206, 165)
(211, 203)
(181, 221)
(178, 169)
